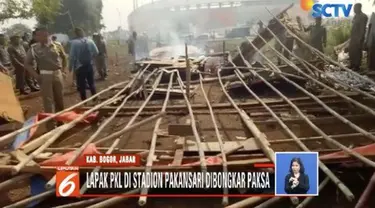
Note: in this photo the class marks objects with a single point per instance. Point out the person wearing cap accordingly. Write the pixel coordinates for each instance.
(318, 34)
(52, 62)
(17, 55)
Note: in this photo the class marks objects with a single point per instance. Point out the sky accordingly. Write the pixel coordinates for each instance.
(115, 12)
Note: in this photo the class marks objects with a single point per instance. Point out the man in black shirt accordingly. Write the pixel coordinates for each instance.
(357, 37)
(318, 35)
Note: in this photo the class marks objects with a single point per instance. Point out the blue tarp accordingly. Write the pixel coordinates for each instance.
(22, 137)
(37, 182)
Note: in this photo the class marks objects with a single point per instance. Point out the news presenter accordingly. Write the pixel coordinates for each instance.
(296, 182)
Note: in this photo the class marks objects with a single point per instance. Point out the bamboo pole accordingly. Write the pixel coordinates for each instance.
(274, 103)
(308, 121)
(307, 200)
(188, 72)
(194, 128)
(25, 202)
(71, 124)
(58, 133)
(114, 200)
(259, 137)
(143, 199)
(79, 151)
(366, 193)
(219, 138)
(349, 195)
(360, 105)
(6, 185)
(8, 137)
(113, 146)
(272, 142)
(246, 202)
(334, 113)
(83, 203)
(322, 54)
(269, 202)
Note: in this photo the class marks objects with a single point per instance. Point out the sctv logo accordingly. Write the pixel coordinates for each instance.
(326, 10)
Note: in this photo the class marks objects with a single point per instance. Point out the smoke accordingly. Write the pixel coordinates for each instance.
(172, 35)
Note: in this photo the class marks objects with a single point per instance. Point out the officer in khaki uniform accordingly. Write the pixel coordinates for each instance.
(52, 62)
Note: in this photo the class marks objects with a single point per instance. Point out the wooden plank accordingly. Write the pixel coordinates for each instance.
(179, 154)
(249, 145)
(10, 106)
(182, 129)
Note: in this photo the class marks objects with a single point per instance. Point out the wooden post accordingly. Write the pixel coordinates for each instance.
(224, 47)
(187, 72)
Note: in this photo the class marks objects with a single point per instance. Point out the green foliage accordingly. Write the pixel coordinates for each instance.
(46, 10)
(43, 10)
(79, 13)
(17, 29)
(338, 32)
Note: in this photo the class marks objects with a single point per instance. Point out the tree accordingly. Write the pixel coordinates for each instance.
(17, 29)
(44, 10)
(86, 14)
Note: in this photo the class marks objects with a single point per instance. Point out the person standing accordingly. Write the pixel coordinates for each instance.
(101, 59)
(33, 38)
(318, 35)
(25, 41)
(26, 45)
(357, 37)
(132, 42)
(287, 40)
(257, 57)
(51, 60)
(2, 68)
(370, 43)
(83, 51)
(4, 55)
(17, 55)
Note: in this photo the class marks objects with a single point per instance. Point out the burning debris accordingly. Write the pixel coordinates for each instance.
(174, 52)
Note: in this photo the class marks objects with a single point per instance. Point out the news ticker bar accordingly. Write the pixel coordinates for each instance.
(69, 181)
(126, 160)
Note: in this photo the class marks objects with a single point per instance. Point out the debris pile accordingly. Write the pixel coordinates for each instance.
(360, 82)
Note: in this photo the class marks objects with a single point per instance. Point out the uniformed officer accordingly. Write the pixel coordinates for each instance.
(357, 37)
(318, 35)
(17, 55)
(4, 55)
(52, 62)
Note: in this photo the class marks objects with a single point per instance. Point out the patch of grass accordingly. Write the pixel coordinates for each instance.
(337, 33)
